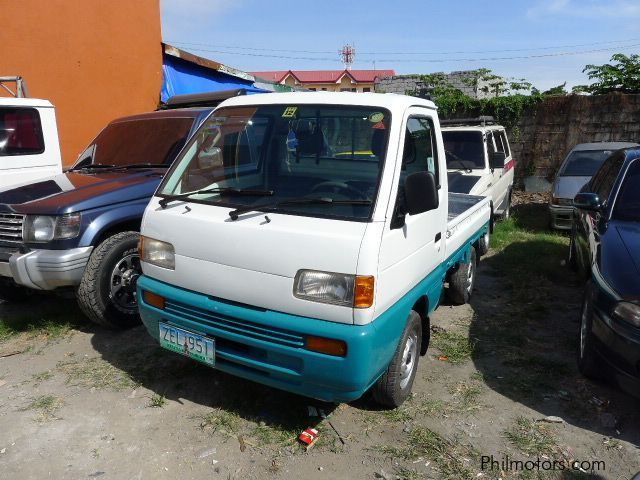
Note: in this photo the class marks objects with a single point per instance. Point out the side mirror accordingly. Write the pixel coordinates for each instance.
(496, 160)
(421, 192)
(587, 201)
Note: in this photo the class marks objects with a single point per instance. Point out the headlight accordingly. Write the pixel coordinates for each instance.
(629, 312)
(44, 228)
(155, 252)
(334, 288)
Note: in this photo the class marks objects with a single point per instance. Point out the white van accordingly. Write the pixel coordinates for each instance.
(302, 240)
(479, 161)
(29, 146)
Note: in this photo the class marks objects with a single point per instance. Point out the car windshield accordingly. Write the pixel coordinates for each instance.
(331, 155)
(627, 205)
(584, 163)
(132, 142)
(463, 149)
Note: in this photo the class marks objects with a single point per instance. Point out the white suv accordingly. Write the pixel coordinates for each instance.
(479, 161)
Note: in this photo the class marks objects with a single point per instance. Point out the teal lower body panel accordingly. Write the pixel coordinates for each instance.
(268, 347)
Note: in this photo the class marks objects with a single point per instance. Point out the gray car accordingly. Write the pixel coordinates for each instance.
(582, 162)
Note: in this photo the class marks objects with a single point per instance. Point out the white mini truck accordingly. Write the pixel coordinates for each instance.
(301, 240)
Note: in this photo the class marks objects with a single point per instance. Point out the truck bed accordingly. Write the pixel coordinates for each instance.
(466, 215)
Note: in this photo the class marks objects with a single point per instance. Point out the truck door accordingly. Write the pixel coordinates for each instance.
(413, 245)
(501, 177)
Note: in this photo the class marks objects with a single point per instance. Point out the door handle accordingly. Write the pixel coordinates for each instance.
(438, 237)
(488, 185)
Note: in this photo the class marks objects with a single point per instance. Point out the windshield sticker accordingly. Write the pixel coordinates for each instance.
(379, 126)
(289, 112)
(376, 117)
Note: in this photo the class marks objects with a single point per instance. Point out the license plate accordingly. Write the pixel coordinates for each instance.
(192, 345)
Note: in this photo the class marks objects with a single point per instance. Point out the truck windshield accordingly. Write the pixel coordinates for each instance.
(584, 163)
(463, 149)
(140, 141)
(627, 205)
(330, 154)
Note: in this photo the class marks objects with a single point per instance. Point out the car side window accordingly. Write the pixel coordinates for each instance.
(491, 147)
(505, 144)
(605, 178)
(420, 152)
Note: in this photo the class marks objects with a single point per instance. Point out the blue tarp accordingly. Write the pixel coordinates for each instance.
(182, 77)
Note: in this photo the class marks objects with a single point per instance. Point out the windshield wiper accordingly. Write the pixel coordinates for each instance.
(144, 165)
(222, 191)
(92, 166)
(296, 201)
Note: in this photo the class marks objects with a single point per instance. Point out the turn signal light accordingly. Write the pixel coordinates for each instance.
(363, 292)
(153, 299)
(337, 348)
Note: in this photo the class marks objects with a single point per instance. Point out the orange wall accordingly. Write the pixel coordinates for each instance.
(95, 60)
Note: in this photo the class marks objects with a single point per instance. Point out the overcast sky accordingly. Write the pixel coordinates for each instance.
(554, 39)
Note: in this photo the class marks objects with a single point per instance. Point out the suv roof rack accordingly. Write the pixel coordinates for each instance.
(481, 120)
(21, 86)
(207, 99)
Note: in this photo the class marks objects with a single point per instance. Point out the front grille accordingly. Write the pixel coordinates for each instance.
(11, 228)
(235, 325)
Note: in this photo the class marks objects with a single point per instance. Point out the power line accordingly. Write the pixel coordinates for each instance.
(424, 60)
(461, 52)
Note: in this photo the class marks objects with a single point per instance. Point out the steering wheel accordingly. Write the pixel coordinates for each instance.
(339, 188)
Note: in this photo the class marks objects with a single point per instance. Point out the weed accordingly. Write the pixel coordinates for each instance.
(221, 420)
(456, 347)
(157, 401)
(432, 407)
(397, 415)
(466, 395)
(273, 435)
(531, 437)
(403, 473)
(46, 406)
(52, 321)
(42, 376)
(95, 372)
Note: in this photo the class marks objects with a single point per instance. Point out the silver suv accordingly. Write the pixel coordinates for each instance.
(576, 170)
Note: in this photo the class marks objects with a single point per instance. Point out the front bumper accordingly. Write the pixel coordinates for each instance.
(47, 269)
(561, 217)
(268, 347)
(618, 345)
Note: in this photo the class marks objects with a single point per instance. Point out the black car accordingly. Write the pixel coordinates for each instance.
(605, 249)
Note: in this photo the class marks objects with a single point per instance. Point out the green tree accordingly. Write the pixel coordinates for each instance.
(621, 76)
(558, 90)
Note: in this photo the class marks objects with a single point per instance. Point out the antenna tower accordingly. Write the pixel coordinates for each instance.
(347, 54)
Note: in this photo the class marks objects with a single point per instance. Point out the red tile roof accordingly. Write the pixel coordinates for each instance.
(324, 76)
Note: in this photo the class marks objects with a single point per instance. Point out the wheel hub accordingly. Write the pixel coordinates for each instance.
(124, 277)
(409, 356)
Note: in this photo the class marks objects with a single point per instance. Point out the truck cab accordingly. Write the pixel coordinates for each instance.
(29, 146)
(301, 240)
(479, 160)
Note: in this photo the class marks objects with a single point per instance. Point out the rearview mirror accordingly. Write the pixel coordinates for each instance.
(421, 192)
(496, 160)
(587, 201)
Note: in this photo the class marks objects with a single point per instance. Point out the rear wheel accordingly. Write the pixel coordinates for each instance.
(393, 388)
(483, 243)
(107, 292)
(506, 213)
(461, 281)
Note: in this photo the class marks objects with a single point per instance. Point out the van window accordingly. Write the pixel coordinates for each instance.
(20, 132)
(505, 144)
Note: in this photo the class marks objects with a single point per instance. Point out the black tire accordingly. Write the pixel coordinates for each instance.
(393, 388)
(462, 280)
(506, 213)
(572, 260)
(10, 292)
(589, 364)
(99, 297)
(484, 243)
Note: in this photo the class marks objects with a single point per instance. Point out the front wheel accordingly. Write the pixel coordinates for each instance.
(588, 362)
(461, 281)
(393, 388)
(107, 292)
